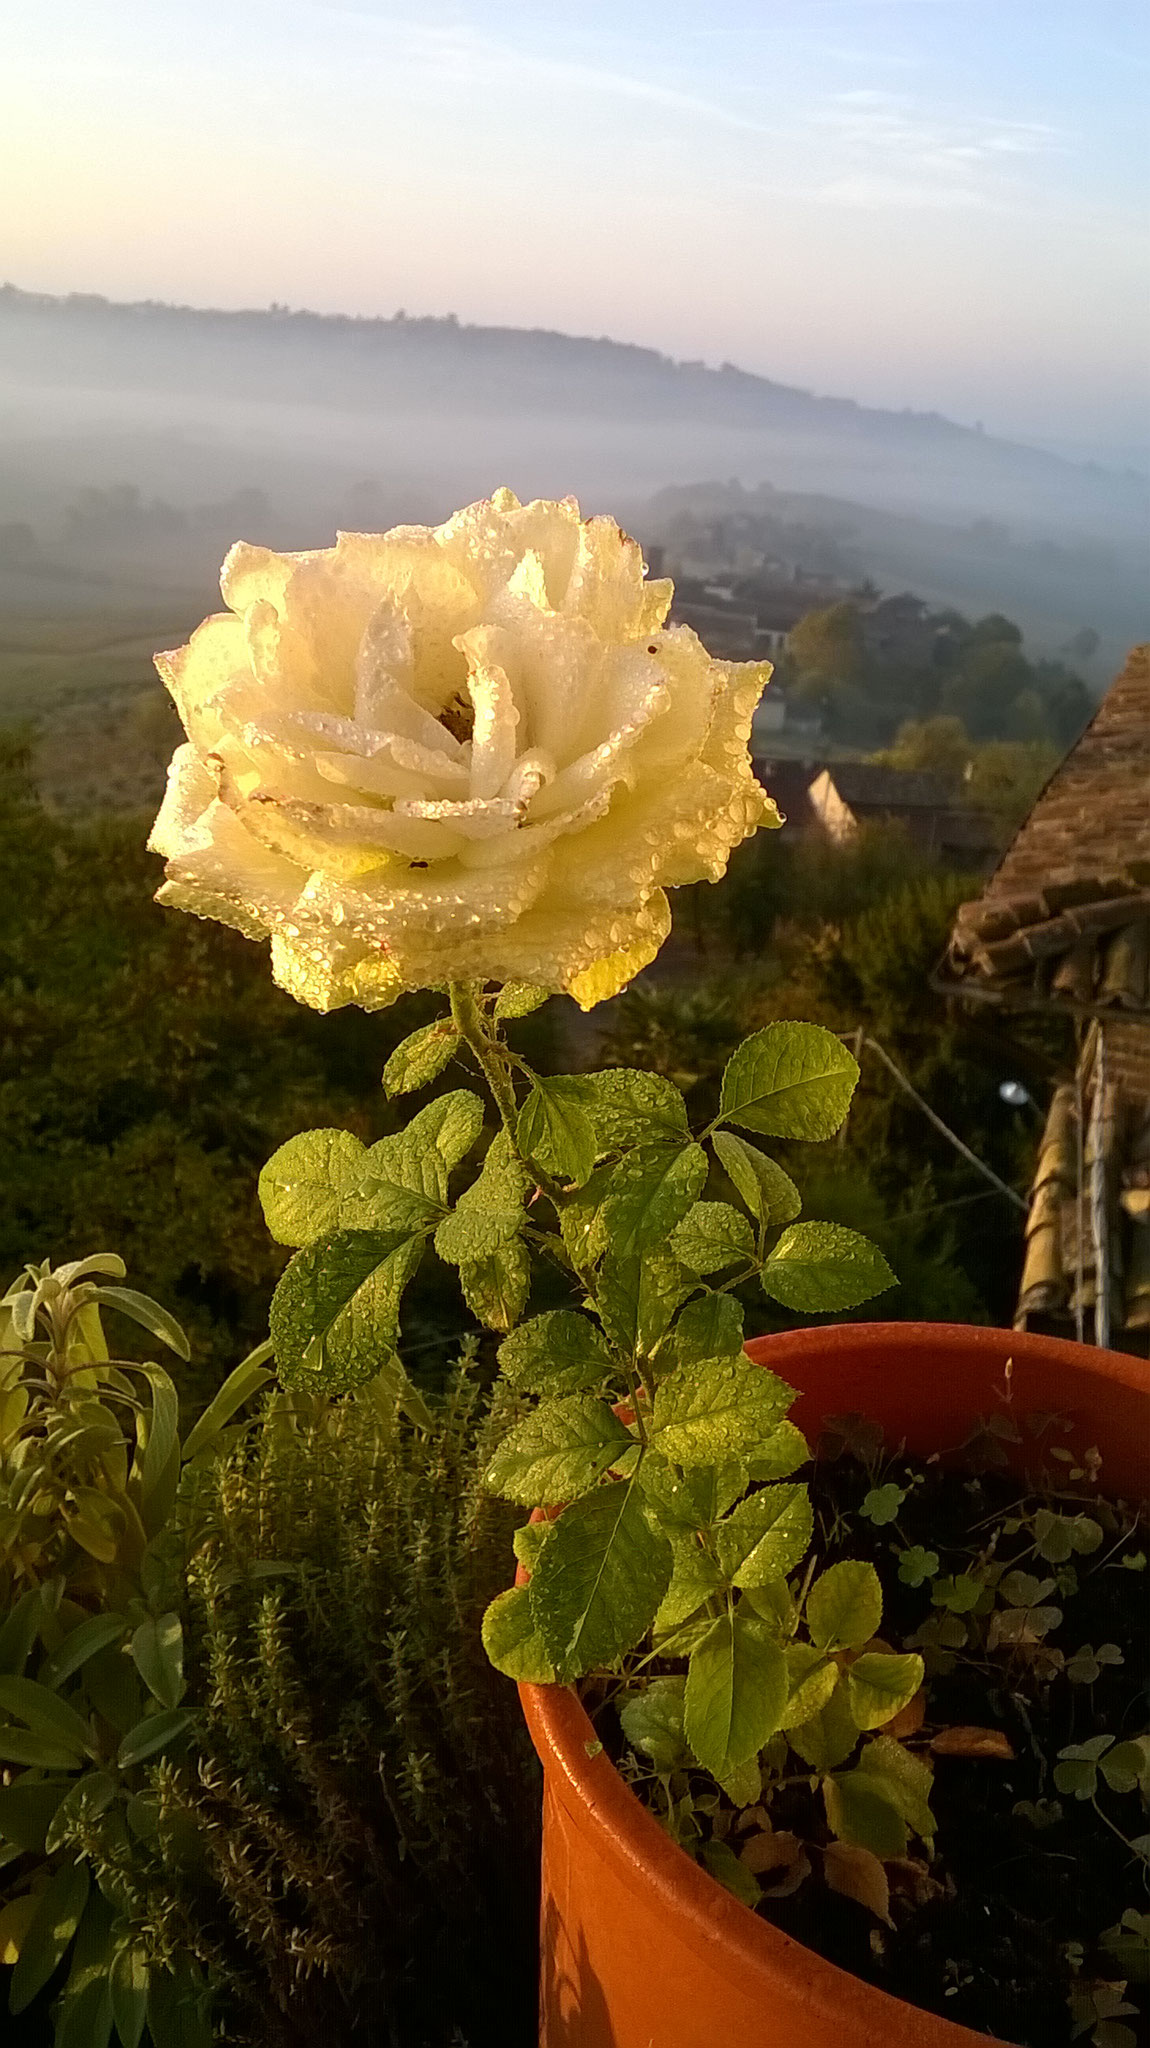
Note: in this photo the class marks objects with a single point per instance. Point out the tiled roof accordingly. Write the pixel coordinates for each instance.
(866, 785)
(1065, 918)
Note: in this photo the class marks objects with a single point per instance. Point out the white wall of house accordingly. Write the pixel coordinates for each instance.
(836, 817)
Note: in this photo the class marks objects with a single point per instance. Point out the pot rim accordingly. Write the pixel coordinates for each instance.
(707, 1917)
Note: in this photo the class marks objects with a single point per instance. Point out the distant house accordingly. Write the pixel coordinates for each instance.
(1064, 926)
(849, 794)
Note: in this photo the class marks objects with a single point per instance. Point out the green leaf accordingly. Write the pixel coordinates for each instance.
(713, 1235)
(599, 1579)
(766, 1536)
(420, 1058)
(528, 1540)
(780, 1454)
(512, 1640)
(651, 1190)
(489, 1213)
(652, 1721)
(827, 1739)
(844, 1606)
(698, 1497)
(86, 1797)
(159, 1458)
(150, 1316)
(631, 1107)
(422, 1155)
(775, 1604)
(555, 1130)
(725, 1867)
(335, 1314)
(722, 1408)
(636, 1298)
(558, 1352)
(903, 1778)
(709, 1327)
(496, 1288)
(27, 1809)
(305, 1185)
(558, 1452)
(880, 1686)
(694, 1578)
(811, 1680)
(45, 1713)
(56, 1919)
(1127, 1765)
(736, 1692)
(859, 1813)
(789, 1081)
(178, 2008)
(519, 998)
(817, 1268)
(158, 1655)
(86, 1640)
(245, 1380)
(18, 1632)
(149, 1736)
(769, 1193)
(128, 1983)
(36, 1752)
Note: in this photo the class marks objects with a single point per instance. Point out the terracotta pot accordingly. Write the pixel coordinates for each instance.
(640, 1947)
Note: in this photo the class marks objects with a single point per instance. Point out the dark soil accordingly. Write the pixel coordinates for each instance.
(991, 1954)
(991, 1948)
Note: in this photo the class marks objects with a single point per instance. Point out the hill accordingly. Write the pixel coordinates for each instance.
(550, 395)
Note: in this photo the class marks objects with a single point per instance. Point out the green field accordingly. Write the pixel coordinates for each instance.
(85, 683)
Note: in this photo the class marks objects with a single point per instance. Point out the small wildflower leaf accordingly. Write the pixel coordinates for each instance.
(882, 1504)
(916, 1565)
(789, 1081)
(1127, 1765)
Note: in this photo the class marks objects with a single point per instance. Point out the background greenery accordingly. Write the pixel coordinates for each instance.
(149, 1067)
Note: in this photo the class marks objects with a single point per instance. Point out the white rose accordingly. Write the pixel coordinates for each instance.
(469, 752)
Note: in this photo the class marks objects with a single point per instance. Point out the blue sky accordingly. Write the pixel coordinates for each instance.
(936, 203)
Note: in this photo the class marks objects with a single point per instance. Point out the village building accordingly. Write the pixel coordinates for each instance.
(1063, 927)
(847, 795)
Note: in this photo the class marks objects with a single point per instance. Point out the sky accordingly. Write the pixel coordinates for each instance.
(941, 204)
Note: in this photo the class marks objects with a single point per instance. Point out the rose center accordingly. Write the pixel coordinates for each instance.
(458, 717)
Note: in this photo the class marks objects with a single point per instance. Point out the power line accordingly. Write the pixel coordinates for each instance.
(952, 1137)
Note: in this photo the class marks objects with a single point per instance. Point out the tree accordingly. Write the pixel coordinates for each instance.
(1005, 778)
(933, 746)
